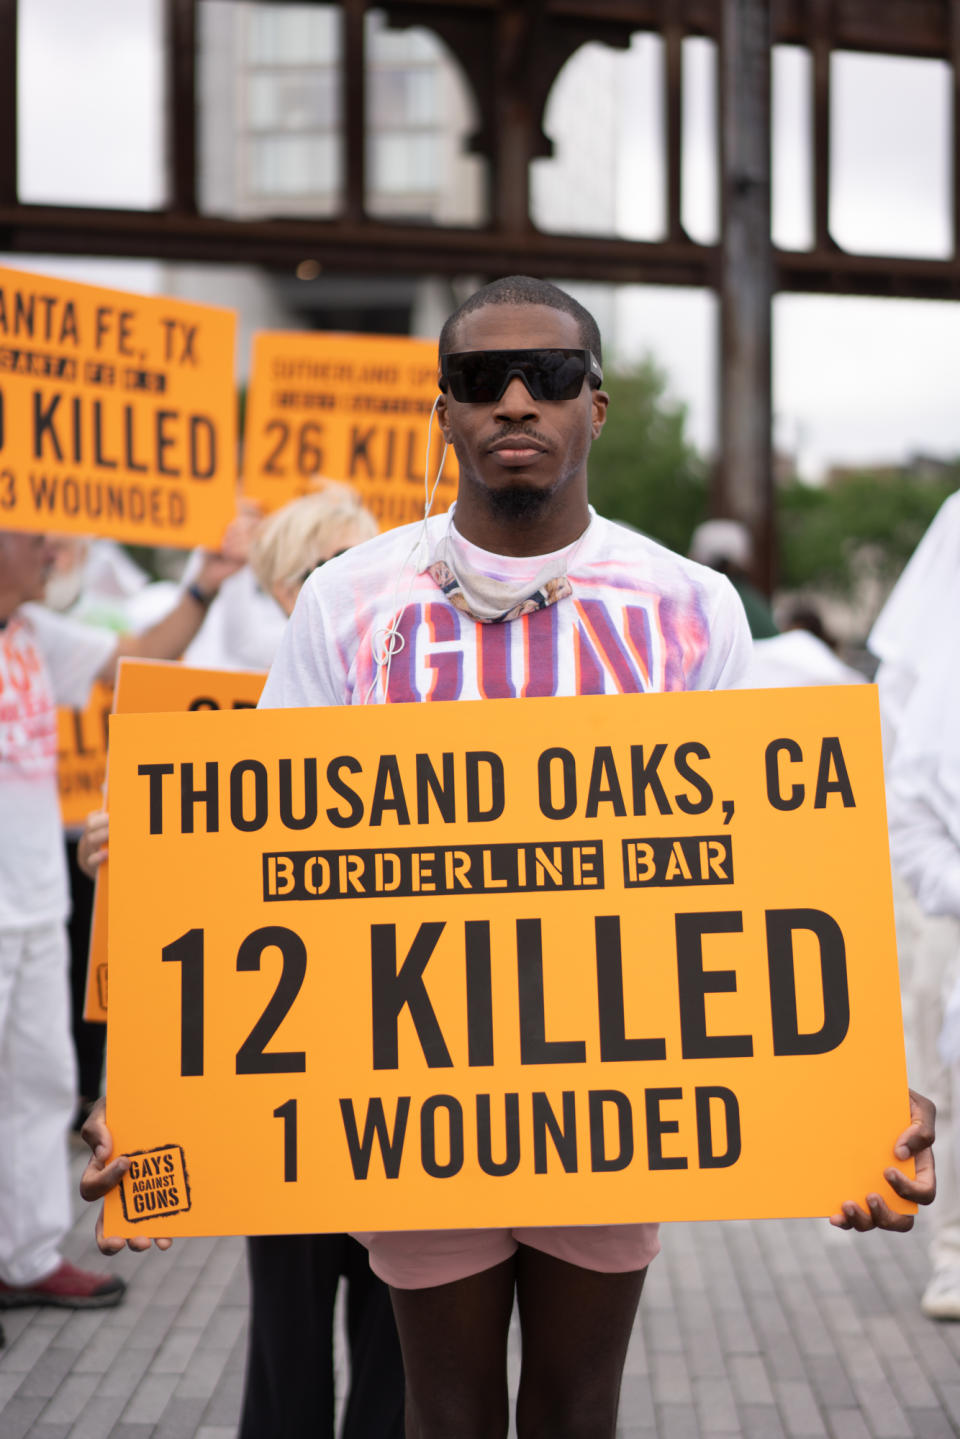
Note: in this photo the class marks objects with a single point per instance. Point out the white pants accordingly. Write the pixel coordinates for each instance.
(37, 1095)
(933, 968)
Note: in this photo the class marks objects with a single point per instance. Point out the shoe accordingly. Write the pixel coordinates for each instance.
(941, 1298)
(67, 1288)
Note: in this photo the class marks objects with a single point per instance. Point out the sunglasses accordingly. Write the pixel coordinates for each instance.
(480, 377)
(302, 579)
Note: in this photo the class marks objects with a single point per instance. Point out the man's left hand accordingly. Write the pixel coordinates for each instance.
(916, 1140)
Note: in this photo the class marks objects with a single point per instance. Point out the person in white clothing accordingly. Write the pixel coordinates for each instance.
(915, 639)
(48, 660)
(295, 1279)
(522, 591)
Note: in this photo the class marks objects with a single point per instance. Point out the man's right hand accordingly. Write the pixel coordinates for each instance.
(103, 1174)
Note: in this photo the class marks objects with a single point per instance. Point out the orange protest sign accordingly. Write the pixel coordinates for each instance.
(599, 960)
(156, 687)
(118, 413)
(95, 993)
(164, 687)
(354, 408)
(82, 755)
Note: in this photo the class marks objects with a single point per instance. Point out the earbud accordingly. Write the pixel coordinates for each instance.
(389, 641)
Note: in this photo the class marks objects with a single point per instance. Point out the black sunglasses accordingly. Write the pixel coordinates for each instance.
(480, 377)
(302, 579)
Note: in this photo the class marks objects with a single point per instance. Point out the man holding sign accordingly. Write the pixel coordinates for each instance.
(521, 592)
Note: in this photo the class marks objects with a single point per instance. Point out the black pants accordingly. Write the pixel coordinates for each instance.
(288, 1391)
(88, 1039)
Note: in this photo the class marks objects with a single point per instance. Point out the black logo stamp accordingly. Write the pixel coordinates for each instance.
(156, 1184)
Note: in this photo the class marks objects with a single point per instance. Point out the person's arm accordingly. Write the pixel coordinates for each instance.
(924, 851)
(916, 1140)
(103, 1173)
(169, 636)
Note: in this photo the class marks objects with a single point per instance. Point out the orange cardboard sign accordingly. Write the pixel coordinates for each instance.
(599, 960)
(118, 413)
(155, 687)
(354, 408)
(166, 687)
(82, 755)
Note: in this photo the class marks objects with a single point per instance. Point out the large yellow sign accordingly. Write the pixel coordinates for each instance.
(601, 960)
(117, 413)
(154, 687)
(345, 407)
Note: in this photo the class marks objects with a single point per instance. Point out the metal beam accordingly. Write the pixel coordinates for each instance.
(180, 18)
(744, 489)
(377, 246)
(8, 102)
(821, 15)
(955, 91)
(673, 115)
(354, 110)
(896, 27)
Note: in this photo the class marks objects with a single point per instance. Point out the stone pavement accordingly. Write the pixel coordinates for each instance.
(763, 1329)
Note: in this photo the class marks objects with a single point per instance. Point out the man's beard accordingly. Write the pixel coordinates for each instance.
(518, 502)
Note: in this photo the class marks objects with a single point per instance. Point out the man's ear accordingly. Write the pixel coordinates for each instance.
(600, 401)
(443, 418)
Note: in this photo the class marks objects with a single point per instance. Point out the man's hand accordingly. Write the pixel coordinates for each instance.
(92, 845)
(103, 1174)
(917, 1140)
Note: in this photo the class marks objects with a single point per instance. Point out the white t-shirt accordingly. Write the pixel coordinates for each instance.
(242, 628)
(923, 794)
(795, 658)
(639, 619)
(45, 661)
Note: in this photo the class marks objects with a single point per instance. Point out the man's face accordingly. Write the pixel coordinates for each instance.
(519, 451)
(25, 564)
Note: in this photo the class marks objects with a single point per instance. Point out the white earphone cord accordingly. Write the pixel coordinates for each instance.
(389, 641)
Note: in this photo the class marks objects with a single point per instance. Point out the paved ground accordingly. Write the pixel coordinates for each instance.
(759, 1329)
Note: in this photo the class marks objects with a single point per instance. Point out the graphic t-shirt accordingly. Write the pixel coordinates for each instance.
(45, 661)
(632, 617)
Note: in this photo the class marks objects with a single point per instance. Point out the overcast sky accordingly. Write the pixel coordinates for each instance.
(856, 380)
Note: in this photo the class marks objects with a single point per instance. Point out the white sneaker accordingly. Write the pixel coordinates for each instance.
(941, 1298)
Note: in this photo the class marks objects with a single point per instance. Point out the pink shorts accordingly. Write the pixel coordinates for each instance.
(421, 1258)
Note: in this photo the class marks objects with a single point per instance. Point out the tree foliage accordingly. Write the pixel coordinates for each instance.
(644, 469)
(867, 524)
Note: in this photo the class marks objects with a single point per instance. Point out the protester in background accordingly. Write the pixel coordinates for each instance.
(804, 654)
(47, 660)
(726, 546)
(289, 1385)
(96, 581)
(916, 641)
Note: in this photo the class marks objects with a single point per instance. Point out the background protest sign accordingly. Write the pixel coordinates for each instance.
(354, 408)
(117, 413)
(82, 755)
(601, 960)
(155, 687)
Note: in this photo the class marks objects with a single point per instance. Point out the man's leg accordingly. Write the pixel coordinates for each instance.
(576, 1325)
(288, 1387)
(375, 1402)
(36, 1102)
(454, 1343)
